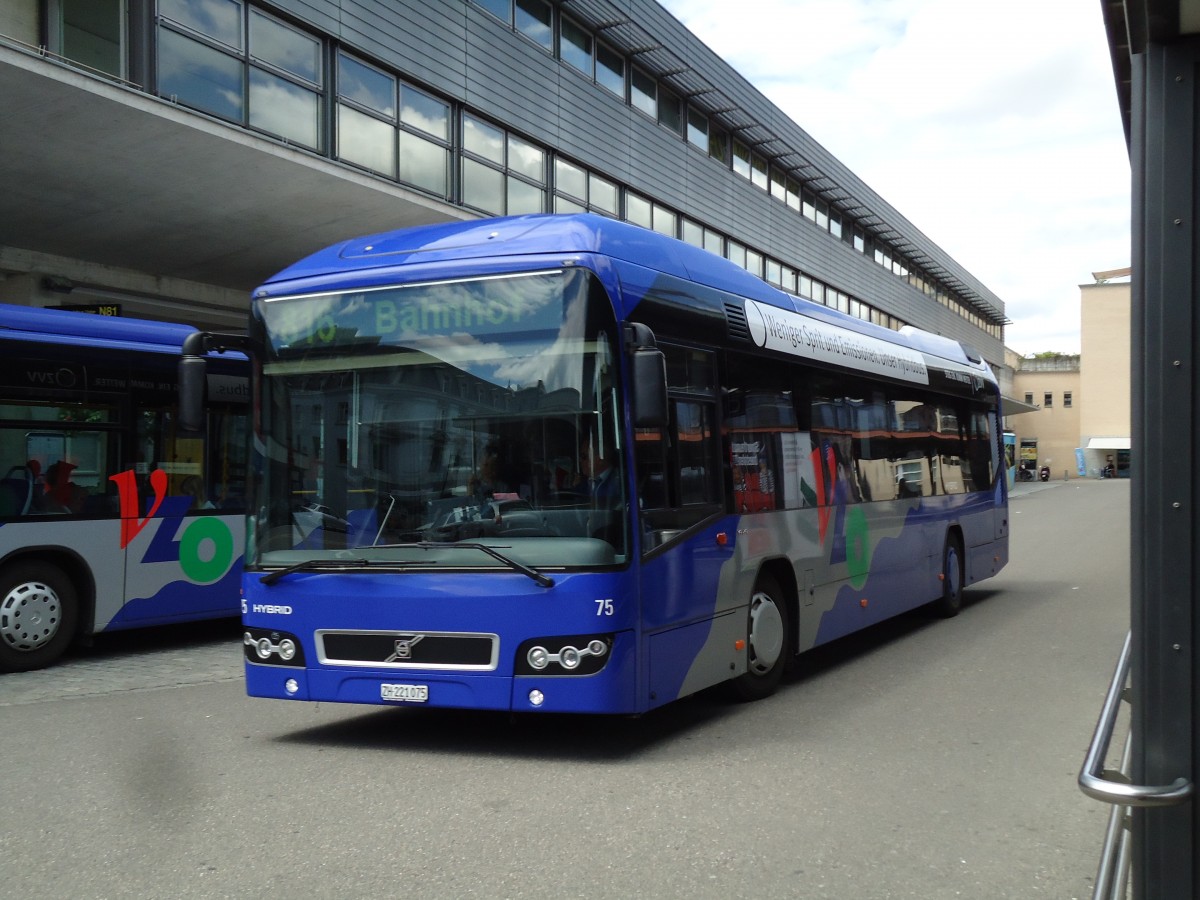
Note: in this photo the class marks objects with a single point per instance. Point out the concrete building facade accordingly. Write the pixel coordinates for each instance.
(166, 156)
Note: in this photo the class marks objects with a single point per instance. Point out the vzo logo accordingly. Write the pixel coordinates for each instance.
(205, 548)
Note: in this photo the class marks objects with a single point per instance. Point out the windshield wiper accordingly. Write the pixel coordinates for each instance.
(543, 580)
(312, 565)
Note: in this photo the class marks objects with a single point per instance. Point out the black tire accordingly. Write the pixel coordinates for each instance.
(38, 616)
(953, 574)
(768, 641)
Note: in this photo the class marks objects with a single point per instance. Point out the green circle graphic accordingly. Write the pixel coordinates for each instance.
(196, 568)
(858, 547)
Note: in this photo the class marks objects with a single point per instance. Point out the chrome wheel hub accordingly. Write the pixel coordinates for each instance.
(766, 633)
(30, 614)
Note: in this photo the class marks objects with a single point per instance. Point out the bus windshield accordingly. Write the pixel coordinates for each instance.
(470, 411)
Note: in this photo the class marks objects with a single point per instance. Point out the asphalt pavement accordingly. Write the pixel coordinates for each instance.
(921, 759)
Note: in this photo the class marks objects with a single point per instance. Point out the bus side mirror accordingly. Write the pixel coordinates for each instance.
(193, 380)
(193, 371)
(649, 389)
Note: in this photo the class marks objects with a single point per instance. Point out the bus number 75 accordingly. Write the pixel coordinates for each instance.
(604, 607)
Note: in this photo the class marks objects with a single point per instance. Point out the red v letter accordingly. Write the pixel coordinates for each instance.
(127, 489)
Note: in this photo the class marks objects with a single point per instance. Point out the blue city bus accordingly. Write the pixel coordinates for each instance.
(111, 517)
(562, 463)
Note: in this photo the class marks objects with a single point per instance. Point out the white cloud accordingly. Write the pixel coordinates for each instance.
(994, 128)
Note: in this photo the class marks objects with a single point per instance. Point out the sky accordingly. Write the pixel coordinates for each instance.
(994, 128)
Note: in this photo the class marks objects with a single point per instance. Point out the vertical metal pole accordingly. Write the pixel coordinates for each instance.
(1165, 159)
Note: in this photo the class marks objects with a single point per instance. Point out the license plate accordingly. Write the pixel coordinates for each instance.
(405, 693)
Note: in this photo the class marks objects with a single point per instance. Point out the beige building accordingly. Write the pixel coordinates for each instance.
(1105, 418)
(1083, 412)
(1048, 436)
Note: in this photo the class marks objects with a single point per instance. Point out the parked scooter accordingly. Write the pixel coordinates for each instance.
(1044, 473)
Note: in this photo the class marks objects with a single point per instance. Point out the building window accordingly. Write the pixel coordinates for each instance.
(90, 33)
(482, 165)
(758, 173)
(754, 262)
(835, 225)
(392, 128)
(778, 185)
(610, 70)
(1047, 400)
(603, 195)
(697, 129)
(575, 46)
(822, 217)
(698, 236)
(533, 20)
(200, 56)
(570, 187)
(244, 66)
(670, 111)
(774, 272)
(792, 195)
(1067, 399)
(718, 144)
(424, 140)
(665, 221)
(741, 159)
(501, 173)
(638, 210)
(286, 80)
(501, 9)
(643, 92)
(714, 242)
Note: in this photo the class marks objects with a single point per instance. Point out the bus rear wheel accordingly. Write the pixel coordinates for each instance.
(950, 603)
(768, 642)
(38, 612)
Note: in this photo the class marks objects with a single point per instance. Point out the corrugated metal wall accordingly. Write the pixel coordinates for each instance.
(462, 52)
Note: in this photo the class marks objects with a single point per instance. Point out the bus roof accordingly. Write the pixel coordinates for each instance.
(371, 258)
(83, 330)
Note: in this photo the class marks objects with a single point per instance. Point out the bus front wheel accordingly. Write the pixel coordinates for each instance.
(37, 616)
(767, 641)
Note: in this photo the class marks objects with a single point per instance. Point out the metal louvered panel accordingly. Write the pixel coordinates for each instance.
(735, 322)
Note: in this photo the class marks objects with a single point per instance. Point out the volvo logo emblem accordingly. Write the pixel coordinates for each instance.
(404, 647)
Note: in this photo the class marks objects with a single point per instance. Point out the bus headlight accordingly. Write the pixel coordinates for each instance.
(272, 648)
(568, 655)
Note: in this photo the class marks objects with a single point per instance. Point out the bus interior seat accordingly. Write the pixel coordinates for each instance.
(14, 498)
(16, 492)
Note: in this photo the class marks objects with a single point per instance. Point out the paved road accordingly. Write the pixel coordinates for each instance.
(923, 759)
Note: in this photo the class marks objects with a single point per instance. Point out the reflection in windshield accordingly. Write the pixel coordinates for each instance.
(480, 410)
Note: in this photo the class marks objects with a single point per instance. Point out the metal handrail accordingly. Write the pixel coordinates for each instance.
(1112, 875)
(1103, 785)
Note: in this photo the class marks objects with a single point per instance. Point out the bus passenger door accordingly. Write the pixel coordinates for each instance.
(678, 497)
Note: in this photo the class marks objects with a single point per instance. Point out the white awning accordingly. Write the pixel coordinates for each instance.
(1108, 443)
